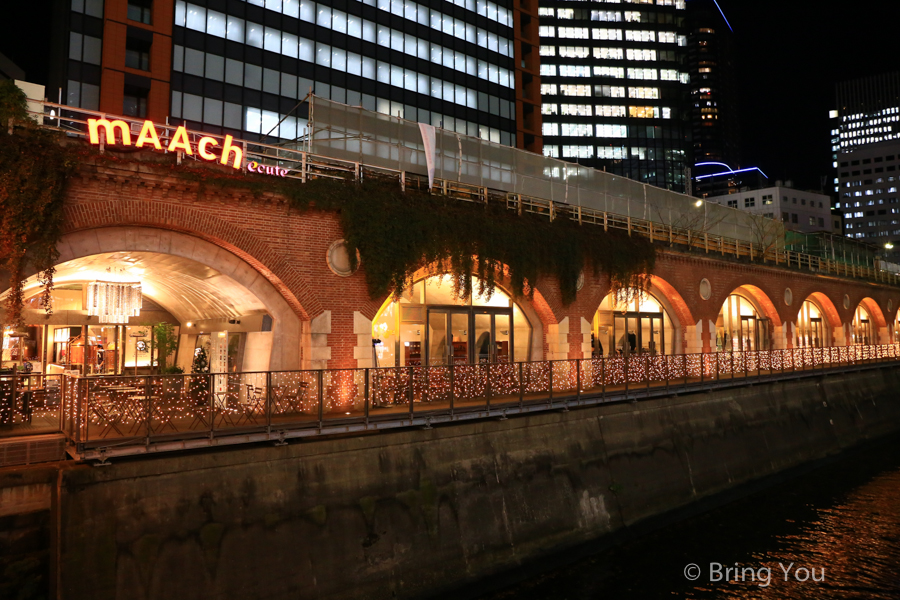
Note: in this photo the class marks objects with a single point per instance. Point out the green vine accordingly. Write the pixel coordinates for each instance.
(34, 167)
(395, 233)
(399, 233)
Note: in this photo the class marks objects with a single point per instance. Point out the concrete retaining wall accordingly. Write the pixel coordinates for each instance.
(407, 514)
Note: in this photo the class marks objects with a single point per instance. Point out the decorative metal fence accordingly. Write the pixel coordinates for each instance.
(98, 412)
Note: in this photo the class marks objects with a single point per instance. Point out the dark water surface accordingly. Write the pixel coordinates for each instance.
(839, 523)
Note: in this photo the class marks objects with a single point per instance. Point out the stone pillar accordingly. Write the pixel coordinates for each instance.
(319, 350)
(362, 352)
(699, 337)
(586, 349)
(784, 336)
(558, 340)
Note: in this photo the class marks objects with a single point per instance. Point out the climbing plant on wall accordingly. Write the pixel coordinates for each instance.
(34, 167)
(397, 233)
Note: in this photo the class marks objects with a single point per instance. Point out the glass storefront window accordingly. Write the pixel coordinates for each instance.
(430, 325)
(103, 344)
(811, 327)
(639, 325)
(862, 326)
(740, 326)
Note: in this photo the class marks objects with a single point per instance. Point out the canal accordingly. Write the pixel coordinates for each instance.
(830, 532)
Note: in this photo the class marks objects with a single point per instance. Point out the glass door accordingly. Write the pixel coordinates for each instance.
(651, 339)
(437, 338)
(864, 334)
(748, 334)
(459, 332)
(469, 336)
(816, 333)
(484, 339)
(503, 336)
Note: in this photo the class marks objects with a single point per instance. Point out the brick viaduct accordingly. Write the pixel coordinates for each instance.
(326, 319)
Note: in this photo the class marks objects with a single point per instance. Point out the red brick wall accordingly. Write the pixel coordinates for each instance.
(288, 248)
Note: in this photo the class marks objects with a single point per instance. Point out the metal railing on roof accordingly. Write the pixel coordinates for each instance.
(303, 165)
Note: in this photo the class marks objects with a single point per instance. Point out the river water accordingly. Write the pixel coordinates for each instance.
(833, 532)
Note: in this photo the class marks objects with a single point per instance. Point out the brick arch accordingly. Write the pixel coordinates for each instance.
(676, 301)
(762, 300)
(874, 311)
(827, 307)
(192, 220)
(286, 333)
(536, 308)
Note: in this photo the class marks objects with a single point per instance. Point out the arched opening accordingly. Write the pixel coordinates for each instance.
(181, 304)
(429, 325)
(742, 324)
(641, 324)
(863, 328)
(813, 330)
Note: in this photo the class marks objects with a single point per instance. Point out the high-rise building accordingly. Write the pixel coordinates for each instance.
(613, 84)
(865, 144)
(244, 66)
(715, 132)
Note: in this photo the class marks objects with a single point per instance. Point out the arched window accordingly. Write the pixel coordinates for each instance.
(741, 326)
(811, 326)
(429, 325)
(640, 325)
(862, 326)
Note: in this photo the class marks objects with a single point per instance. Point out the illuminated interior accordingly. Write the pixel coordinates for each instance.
(205, 308)
(639, 326)
(862, 326)
(812, 328)
(740, 325)
(430, 325)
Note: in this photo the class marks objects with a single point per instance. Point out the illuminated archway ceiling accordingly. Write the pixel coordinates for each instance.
(189, 290)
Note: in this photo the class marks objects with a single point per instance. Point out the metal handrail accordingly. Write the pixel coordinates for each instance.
(122, 414)
(303, 166)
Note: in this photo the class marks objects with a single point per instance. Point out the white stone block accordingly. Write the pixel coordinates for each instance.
(361, 325)
(321, 323)
(321, 353)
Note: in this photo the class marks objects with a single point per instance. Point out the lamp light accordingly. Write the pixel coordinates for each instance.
(113, 301)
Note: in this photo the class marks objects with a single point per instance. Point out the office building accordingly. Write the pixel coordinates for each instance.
(865, 143)
(244, 66)
(613, 85)
(713, 113)
(799, 210)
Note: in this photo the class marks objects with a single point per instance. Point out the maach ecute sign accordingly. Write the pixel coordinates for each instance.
(179, 142)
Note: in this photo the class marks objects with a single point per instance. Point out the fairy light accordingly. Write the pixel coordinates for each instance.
(117, 406)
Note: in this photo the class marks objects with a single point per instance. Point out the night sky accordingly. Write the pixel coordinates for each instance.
(789, 56)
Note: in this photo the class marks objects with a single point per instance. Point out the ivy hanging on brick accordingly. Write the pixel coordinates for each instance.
(34, 168)
(398, 233)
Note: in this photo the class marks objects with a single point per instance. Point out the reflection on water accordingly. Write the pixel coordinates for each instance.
(843, 518)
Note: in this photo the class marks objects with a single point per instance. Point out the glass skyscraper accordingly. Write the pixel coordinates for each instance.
(613, 86)
(244, 66)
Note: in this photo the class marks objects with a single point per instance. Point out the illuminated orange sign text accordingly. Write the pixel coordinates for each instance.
(180, 141)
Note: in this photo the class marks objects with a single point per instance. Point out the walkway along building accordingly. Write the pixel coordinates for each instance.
(261, 288)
